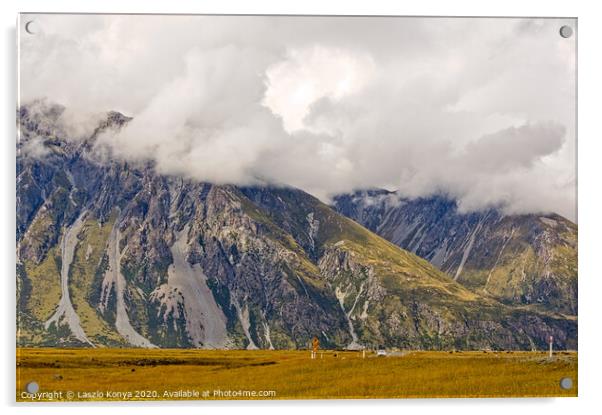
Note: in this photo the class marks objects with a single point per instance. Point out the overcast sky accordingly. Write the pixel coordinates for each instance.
(480, 109)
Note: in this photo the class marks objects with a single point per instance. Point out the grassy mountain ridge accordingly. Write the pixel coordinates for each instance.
(528, 259)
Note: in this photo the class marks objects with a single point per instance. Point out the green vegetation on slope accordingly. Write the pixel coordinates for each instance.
(89, 253)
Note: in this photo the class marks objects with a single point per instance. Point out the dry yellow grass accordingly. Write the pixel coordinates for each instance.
(154, 374)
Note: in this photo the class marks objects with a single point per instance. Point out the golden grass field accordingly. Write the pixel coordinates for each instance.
(137, 374)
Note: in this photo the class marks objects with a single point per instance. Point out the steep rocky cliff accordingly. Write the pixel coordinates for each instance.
(111, 253)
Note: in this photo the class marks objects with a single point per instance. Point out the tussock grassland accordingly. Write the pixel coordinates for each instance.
(292, 374)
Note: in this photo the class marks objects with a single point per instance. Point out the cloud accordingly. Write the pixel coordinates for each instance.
(479, 109)
(512, 148)
(309, 75)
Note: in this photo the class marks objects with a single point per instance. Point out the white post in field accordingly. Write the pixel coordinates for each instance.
(551, 341)
(363, 353)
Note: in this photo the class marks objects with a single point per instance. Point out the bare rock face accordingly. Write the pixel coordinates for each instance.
(158, 261)
(516, 259)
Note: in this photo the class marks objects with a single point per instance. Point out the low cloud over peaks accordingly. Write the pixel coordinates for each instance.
(424, 106)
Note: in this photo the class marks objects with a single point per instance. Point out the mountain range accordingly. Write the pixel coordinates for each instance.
(111, 253)
(526, 259)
